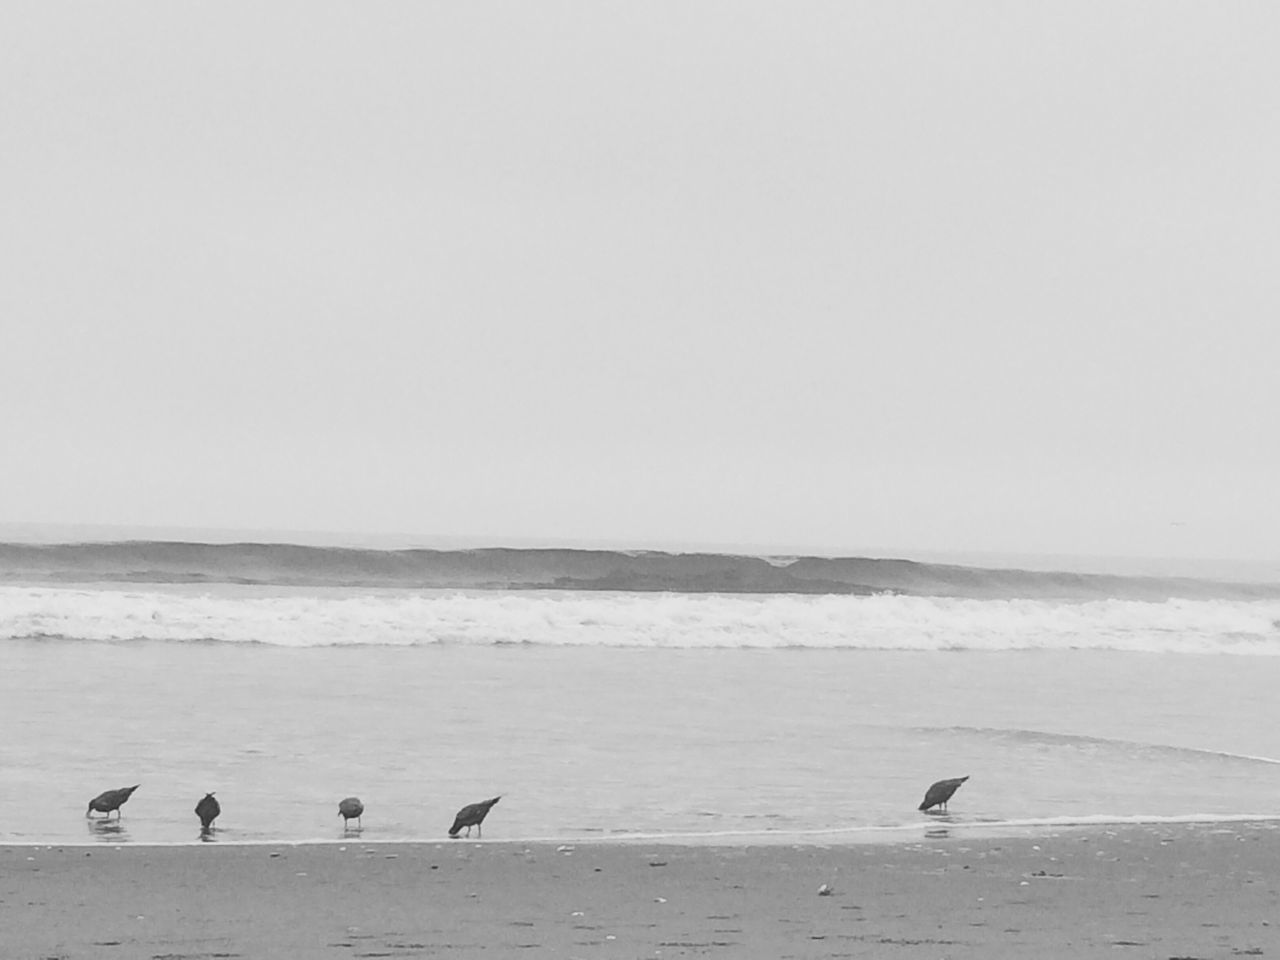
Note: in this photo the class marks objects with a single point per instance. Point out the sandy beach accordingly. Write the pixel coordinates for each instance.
(1138, 891)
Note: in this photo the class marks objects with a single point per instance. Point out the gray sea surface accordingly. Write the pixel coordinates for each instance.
(725, 744)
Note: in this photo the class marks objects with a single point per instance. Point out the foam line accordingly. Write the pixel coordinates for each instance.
(1071, 738)
(321, 617)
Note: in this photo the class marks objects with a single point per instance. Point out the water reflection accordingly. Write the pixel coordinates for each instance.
(207, 835)
(107, 831)
(937, 833)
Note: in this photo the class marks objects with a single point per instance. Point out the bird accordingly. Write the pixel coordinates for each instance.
(472, 815)
(350, 808)
(207, 810)
(111, 800)
(941, 792)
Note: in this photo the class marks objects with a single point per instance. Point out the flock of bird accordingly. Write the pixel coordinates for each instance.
(472, 815)
(350, 808)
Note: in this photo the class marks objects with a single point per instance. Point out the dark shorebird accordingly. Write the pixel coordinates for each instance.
(472, 815)
(207, 810)
(351, 808)
(111, 800)
(941, 792)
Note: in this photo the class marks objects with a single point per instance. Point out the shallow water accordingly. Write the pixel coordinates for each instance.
(736, 745)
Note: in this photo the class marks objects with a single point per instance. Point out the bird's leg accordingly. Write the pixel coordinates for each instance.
(479, 832)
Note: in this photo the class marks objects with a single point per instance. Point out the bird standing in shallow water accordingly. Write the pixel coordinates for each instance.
(349, 809)
(111, 800)
(472, 815)
(207, 810)
(941, 792)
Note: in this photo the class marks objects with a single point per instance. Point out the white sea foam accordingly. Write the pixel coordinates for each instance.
(322, 617)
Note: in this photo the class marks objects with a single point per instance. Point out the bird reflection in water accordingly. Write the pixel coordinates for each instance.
(107, 831)
(937, 833)
(208, 835)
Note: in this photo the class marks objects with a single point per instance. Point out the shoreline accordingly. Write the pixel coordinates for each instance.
(861, 836)
(1154, 890)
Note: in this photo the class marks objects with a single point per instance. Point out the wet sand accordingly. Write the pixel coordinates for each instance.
(1167, 892)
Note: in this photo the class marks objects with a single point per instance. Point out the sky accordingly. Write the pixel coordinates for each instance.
(981, 276)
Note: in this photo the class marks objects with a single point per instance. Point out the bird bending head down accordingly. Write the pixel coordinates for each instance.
(941, 792)
(472, 815)
(110, 800)
(351, 809)
(207, 810)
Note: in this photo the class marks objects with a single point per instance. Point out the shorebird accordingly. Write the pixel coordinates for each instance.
(472, 815)
(207, 810)
(941, 792)
(351, 808)
(111, 800)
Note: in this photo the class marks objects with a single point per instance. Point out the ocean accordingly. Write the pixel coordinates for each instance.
(699, 706)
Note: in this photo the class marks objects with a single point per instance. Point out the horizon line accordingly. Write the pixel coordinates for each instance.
(50, 533)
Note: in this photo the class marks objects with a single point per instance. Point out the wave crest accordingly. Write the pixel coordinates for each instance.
(501, 568)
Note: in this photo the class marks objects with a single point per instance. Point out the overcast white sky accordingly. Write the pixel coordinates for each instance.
(926, 276)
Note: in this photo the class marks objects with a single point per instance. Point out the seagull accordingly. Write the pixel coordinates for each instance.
(111, 800)
(207, 810)
(941, 792)
(472, 815)
(349, 808)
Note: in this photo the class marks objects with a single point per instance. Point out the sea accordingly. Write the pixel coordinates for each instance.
(700, 710)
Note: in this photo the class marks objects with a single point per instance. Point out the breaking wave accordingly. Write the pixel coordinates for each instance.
(317, 617)
(497, 568)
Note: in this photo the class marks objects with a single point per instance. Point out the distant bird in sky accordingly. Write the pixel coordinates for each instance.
(351, 809)
(111, 800)
(207, 810)
(941, 792)
(472, 815)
